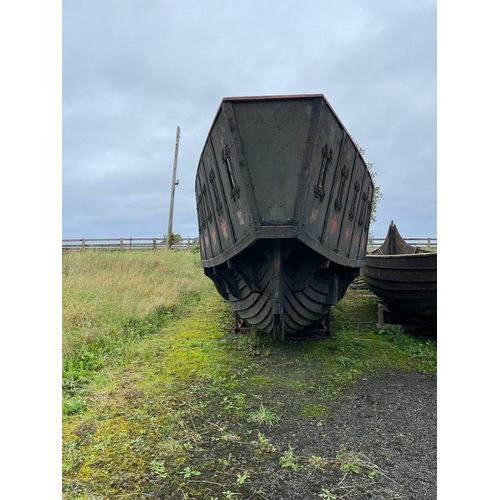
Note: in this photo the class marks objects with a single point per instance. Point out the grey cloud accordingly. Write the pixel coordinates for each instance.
(133, 71)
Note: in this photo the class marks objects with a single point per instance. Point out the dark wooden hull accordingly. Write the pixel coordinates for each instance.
(284, 201)
(406, 279)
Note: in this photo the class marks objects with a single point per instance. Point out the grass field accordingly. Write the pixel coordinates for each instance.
(162, 400)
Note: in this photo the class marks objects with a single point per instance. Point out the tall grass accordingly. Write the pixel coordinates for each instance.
(109, 295)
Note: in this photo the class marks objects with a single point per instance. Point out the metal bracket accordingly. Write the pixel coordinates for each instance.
(201, 215)
(352, 212)
(205, 203)
(319, 190)
(218, 203)
(226, 159)
(361, 217)
(343, 179)
(368, 213)
(364, 214)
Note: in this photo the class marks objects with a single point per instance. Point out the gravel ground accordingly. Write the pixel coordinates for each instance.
(389, 418)
(392, 418)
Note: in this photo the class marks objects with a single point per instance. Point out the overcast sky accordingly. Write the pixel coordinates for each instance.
(135, 70)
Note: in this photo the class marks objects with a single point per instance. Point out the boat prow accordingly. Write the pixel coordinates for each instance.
(284, 201)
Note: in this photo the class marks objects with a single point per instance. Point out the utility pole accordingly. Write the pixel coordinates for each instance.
(175, 183)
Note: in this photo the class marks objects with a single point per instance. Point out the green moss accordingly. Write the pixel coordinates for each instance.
(258, 381)
(314, 411)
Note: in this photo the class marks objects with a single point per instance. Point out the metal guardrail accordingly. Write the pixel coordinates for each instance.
(417, 242)
(188, 243)
(126, 244)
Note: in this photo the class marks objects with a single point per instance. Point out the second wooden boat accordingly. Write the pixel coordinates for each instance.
(404, 277)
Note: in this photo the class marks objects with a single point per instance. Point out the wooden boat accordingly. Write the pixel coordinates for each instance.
(284, 202)
(404, 277)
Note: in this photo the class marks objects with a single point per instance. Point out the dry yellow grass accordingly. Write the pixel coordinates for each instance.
(100, 290)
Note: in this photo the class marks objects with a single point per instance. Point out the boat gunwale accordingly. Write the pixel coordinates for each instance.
(397, 256)
(282, 232)
(290, 97)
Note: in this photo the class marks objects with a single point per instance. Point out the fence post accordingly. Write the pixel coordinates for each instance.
(121, 243)
(83, 243)
(189, 243)
(154, 243)
(428, 242)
